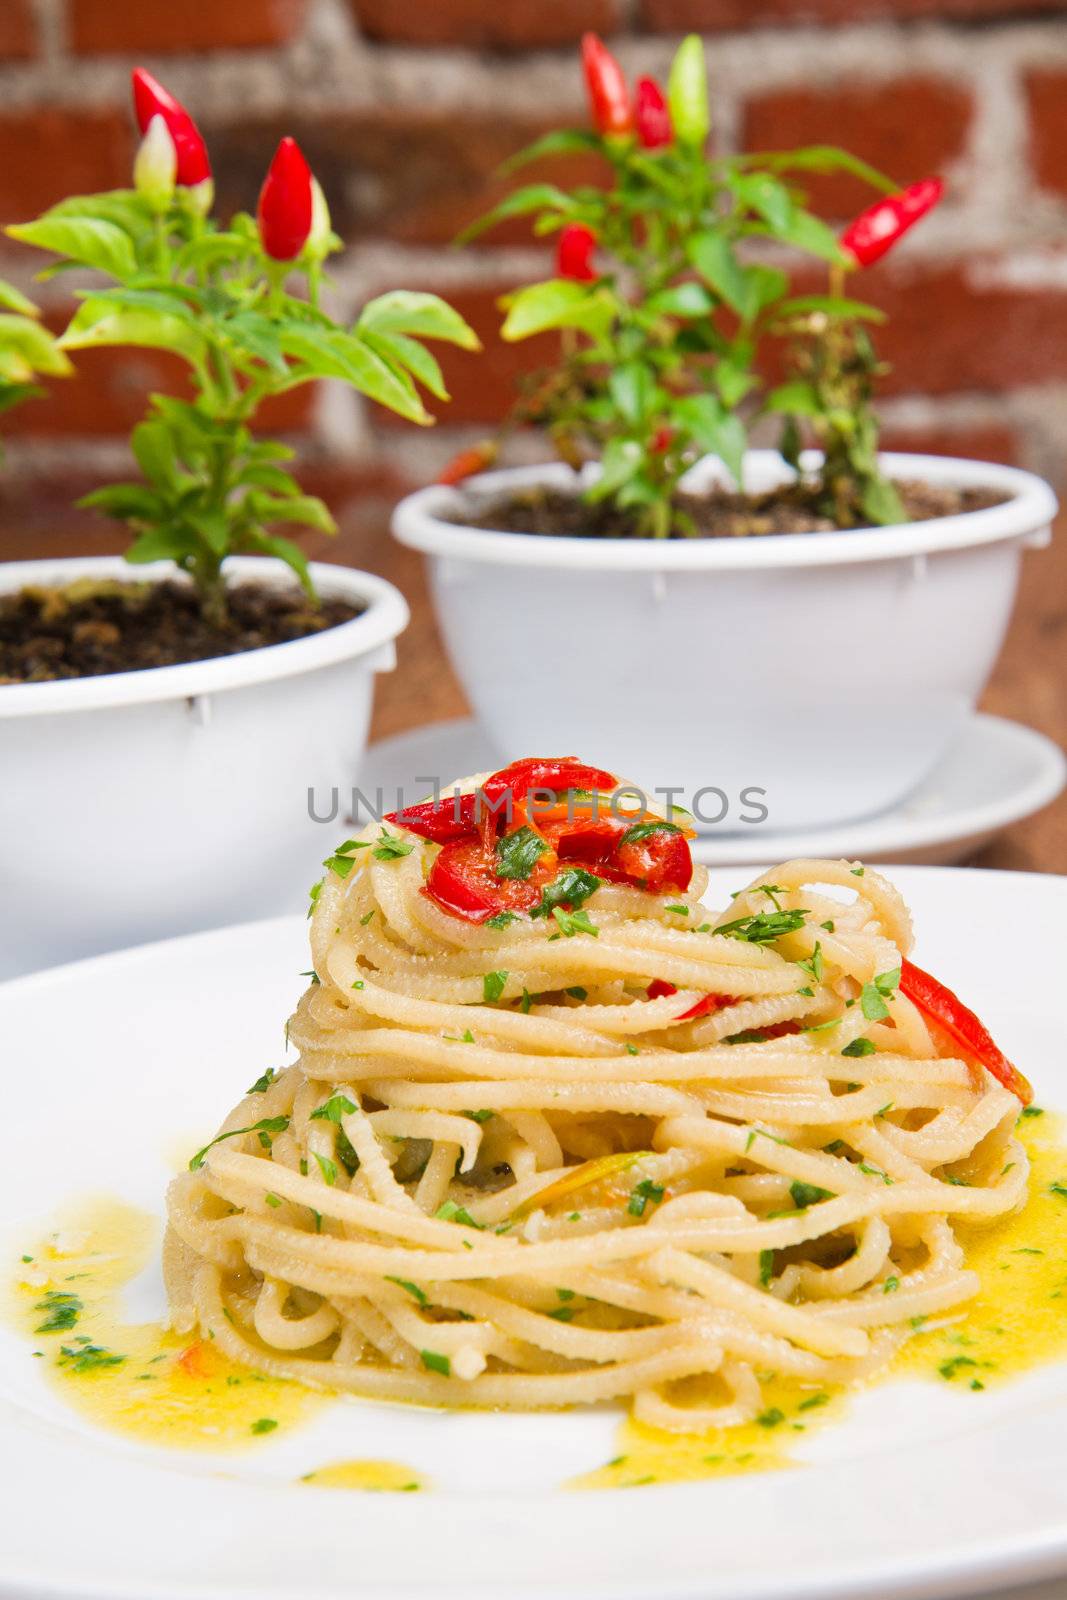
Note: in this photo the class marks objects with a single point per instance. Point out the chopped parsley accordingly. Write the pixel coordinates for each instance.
(1058, 1189)
(261, 1085)
(343, 860)
(632, 1050)
(813, 1401)
(644, 830)
(450, 1212)
(766, 1267)
(433, 1362)
(571, 887)
(502, 919)
(336, 1107)
(857, 872)
(391, 847)
(814, 963)
(412, 1288)
(493, 986)
(327, 1167)
(61, 1311)
(84, 1356)
(272, 1199)
(646, 1193)
(764, 927)
(875, 1172)
(679, 911)
(577, 992)
(478, 1116)
(859, 1047)
(891, 1285)
(772, 1418)
(265, 1127)
(1031, 1111)
(364, 920)
(808, 1194)
(828, 925)
(572, 922)
(264, 1425)
(518, 853)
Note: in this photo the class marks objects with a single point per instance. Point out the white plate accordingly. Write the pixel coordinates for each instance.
(996, 773)
(919, 1492)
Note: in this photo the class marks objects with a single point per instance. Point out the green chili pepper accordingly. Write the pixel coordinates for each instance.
(687, 92)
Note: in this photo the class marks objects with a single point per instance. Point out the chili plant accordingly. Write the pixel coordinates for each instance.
(27, 350)
(834, 365)
(240, 303)
(665, 284)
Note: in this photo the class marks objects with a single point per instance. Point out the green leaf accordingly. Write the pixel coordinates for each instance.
(272, 544)
(771, 200)
(13, 299)
(795, 398)
(153, 448)
(33, 344)
(881, 503)
(714, 429)
(830, 305)
(161, 544)
(807, 233)
(632, 388)
(404, 311)
(518, 853)
(128, 501)
(93, 325)
(306, 509)
(572, 887)
(561, 142)
(331, 353)
(713, 257)
(88, 240)
(807, 1194)
(493, 986)
(558, 303)
(402, 351)
(534, 197)
(823, 158)
(681, 300)
(622, 460)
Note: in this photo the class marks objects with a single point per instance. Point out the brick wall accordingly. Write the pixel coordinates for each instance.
(404, 110)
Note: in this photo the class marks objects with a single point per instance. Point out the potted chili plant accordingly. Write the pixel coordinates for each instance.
(166, 713)
(708, 610)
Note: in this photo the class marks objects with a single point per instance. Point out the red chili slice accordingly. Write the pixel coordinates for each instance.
(659, 988)
(701, 1008)
(463, 881)
(547, 772)
(451, 817)
(949, 1012)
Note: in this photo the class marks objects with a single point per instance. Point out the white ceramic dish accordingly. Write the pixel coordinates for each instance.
(141, 804)
(921, 1492)
(831, 670)
(995, 773)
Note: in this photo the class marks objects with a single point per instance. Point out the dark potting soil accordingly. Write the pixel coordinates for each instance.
(552, 512)
(93, 626)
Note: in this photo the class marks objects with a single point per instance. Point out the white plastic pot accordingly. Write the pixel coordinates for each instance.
(142, 804)
(827, 670)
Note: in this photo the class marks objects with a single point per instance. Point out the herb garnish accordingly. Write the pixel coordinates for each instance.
(763, 928)
(493, 986)
(332, 1110)
(571, 888)
(433, 1362)
(264, 1425)
(518, 853)
(646, 1193)
(860, 1047)
(450, 1212)
(84, 1356)
(502, 919)
(391, 847)
(643, 830)
(412, 1288)
(572, 922)
(261, 1085)
(264, 1128)
(62, 1311)
(343, 860)
(808, 1194)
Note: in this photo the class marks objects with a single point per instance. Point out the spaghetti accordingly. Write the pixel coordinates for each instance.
(624, 1149)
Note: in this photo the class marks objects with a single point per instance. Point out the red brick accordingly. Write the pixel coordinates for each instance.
(131, 26)
(1046, 93)
(418, 178)
(18, 30)
(710, 16)
(498, 24)
(908, 128)
(974, 442)
(47, 154)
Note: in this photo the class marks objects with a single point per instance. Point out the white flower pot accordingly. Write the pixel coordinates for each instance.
(828, 670)
(142, 804)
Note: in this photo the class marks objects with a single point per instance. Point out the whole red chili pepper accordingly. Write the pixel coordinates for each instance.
(464, 465)
(877, 229)
(608, 95)
(150, 99)
(574, 253)
(285, 203)
(651, 116)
